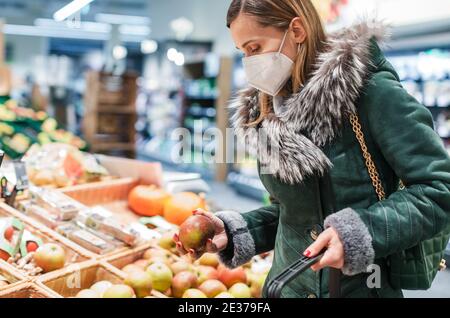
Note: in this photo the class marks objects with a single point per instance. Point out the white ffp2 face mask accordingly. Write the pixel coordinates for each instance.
(268, 72)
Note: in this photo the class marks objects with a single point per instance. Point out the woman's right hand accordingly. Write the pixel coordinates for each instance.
(218, 243)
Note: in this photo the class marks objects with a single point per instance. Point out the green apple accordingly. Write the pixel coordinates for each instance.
(240, 290)
(161, 276)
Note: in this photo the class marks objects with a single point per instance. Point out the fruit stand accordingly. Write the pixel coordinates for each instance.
(104, 234)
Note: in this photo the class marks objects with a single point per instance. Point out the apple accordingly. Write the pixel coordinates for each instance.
(166, 241)
(193, 293)
(231, 276)
(32, 246)
(182, 282)
(50, 257)
(206, 272)
(161, 276)
(195, 232)
(212, 287)
(4, 255)
(101, 286)
(142, 263)
(119, 291)
(256, 282)
(159, 259)
(180, 266)
(224, 295)
(9, 232)
(240, 290)
(141, 282)
(87, 293)
(131, 268)
(209, 259)
(156, 252)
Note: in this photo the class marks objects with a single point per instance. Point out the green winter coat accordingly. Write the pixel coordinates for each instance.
(319, 179)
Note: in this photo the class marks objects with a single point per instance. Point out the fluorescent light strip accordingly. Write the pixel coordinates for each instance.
(70, 9)
(52, 32)
(122, 19)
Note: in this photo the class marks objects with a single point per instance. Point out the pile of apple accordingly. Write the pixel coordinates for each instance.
(163, 270)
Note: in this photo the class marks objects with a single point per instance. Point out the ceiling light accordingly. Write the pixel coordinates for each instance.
(120, 52)
(172, 54)
(182, 27)
(142, 30)
(70, 9)
(149, 46)
(122, 19)
(179, 59)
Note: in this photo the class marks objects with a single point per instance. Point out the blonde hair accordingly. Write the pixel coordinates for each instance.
(279, 14)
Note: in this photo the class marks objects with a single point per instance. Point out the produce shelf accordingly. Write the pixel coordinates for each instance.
(69, 281)
(74, 253)
(28, 290)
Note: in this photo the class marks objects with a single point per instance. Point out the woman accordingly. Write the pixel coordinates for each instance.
(305, 86)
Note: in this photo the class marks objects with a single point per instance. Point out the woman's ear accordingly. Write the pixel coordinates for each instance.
(298, 30)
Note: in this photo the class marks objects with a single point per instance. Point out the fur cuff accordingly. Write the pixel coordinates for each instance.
(355, 236)
(241, 247)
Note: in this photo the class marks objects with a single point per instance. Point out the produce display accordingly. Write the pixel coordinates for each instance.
(21, 127)
(60, 165)
(123, 233)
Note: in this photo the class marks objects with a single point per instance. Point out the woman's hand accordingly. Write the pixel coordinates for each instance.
(334, 255)
(218, 243)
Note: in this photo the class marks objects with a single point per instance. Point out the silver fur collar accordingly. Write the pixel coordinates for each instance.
(313, 117)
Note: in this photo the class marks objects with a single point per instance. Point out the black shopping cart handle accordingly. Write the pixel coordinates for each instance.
(275, 286)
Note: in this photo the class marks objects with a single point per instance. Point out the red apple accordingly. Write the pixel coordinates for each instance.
(50, 257)
(232, 276)
(32, 246)
(9, 232)
(206, 272)
(4, 255)
(211, 288)
(195, 232)
(182, 282)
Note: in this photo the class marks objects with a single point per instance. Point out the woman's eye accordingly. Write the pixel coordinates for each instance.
(254, 49)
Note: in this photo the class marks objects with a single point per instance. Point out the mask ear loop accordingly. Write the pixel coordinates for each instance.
(282, 42)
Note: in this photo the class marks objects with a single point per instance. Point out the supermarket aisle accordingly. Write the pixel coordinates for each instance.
(227, 198)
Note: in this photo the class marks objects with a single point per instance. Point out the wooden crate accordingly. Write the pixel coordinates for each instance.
(28, 290)
(71, 280)
(13, 276)
(74, 253)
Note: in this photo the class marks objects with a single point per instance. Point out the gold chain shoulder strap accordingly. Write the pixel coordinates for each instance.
(371, 168)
